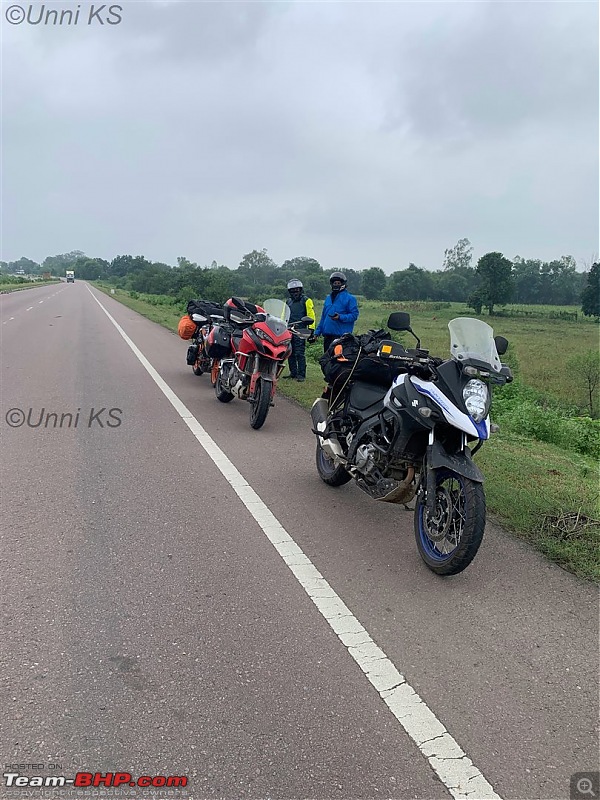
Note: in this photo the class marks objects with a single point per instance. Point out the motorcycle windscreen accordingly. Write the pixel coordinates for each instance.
(277, 308)
(473, 340)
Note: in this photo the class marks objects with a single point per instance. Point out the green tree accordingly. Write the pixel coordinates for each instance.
(458, 258)
(475, 301)
(91, 269)
(590, 297)
(413, 283)
(527, 279)
(308, 270)
(121, 266)
(257, 269)
(26, 264)
(57, 265)
(452, 286)
(497, 282)
(355, 279)
(374, 281)
(300, 265)
(218, 285)
(586, 367)
(184, 263)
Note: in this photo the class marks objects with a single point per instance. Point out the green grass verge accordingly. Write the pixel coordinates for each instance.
(18, 287)
(529, 484)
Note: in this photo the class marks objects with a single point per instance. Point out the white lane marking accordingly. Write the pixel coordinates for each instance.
(41, 301)
(29, 309)
(456, 771)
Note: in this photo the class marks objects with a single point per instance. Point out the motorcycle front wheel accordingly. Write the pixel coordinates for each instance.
(260, 407)
(329, 472)
(449, 540)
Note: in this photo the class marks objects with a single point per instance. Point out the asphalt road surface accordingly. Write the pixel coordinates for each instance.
(158, 619)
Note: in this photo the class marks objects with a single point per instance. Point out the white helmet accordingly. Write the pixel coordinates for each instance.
(295, 284)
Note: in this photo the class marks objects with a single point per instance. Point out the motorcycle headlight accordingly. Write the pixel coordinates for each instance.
(477, 399)
(262, 335)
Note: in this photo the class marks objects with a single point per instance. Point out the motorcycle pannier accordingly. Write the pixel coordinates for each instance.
(192, 354)
(218, 344)
(186, 328)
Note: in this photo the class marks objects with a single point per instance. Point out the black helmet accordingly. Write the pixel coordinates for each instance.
(295, 288)
(338, 281)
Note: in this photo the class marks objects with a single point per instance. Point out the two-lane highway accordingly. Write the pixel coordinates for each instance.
(154, 622)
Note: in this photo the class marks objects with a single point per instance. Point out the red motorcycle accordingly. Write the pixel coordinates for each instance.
(252, 348)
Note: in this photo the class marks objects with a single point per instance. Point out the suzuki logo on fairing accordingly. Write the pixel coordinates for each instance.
(415, 403)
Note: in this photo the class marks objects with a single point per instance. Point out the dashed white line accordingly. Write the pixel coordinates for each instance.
(453, 767)
(29, 309)
(41, 301)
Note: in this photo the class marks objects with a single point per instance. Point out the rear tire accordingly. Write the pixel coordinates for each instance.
(222, 394)
(329, 473)
(260, 407)
(450, 540)
(202, 365)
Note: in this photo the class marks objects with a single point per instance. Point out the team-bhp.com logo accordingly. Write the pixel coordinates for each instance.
(40, 418)
(84, 780)
(40, 14)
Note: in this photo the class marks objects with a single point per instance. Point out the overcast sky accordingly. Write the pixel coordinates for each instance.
(358, 133)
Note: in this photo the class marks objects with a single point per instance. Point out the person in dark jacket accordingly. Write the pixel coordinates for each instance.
(340, 311)
(300, 306)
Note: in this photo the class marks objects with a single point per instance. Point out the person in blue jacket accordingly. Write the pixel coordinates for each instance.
(340, 311)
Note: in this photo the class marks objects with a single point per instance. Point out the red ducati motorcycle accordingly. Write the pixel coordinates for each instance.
(252, 348)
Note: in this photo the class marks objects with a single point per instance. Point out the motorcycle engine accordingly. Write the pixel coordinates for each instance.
(365, 459)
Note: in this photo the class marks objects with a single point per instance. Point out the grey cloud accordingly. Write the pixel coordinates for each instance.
(358, 133)
(510, 65)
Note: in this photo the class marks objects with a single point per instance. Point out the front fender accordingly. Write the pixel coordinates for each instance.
(265, 378)
(461, 463)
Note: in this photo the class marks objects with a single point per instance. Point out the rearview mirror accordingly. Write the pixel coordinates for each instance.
(307, 320)
(399, 321)
(239, 305)
(501, 344)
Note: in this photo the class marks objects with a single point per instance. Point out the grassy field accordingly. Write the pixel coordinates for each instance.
(546, 494)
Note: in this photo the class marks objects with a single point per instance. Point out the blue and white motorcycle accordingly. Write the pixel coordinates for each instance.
(413, 439)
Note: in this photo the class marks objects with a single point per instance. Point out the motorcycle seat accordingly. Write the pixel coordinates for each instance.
(366, 395)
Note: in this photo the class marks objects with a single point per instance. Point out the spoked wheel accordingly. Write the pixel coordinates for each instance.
(449, 539)
(222, 394)
(329, 472)
(260, 407)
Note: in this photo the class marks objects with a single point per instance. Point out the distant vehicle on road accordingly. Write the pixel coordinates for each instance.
(70, 276)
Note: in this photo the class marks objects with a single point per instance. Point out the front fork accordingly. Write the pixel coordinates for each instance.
(431, 471)
(267, 369)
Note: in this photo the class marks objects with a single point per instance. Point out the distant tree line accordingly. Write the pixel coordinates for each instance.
(493, 281)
